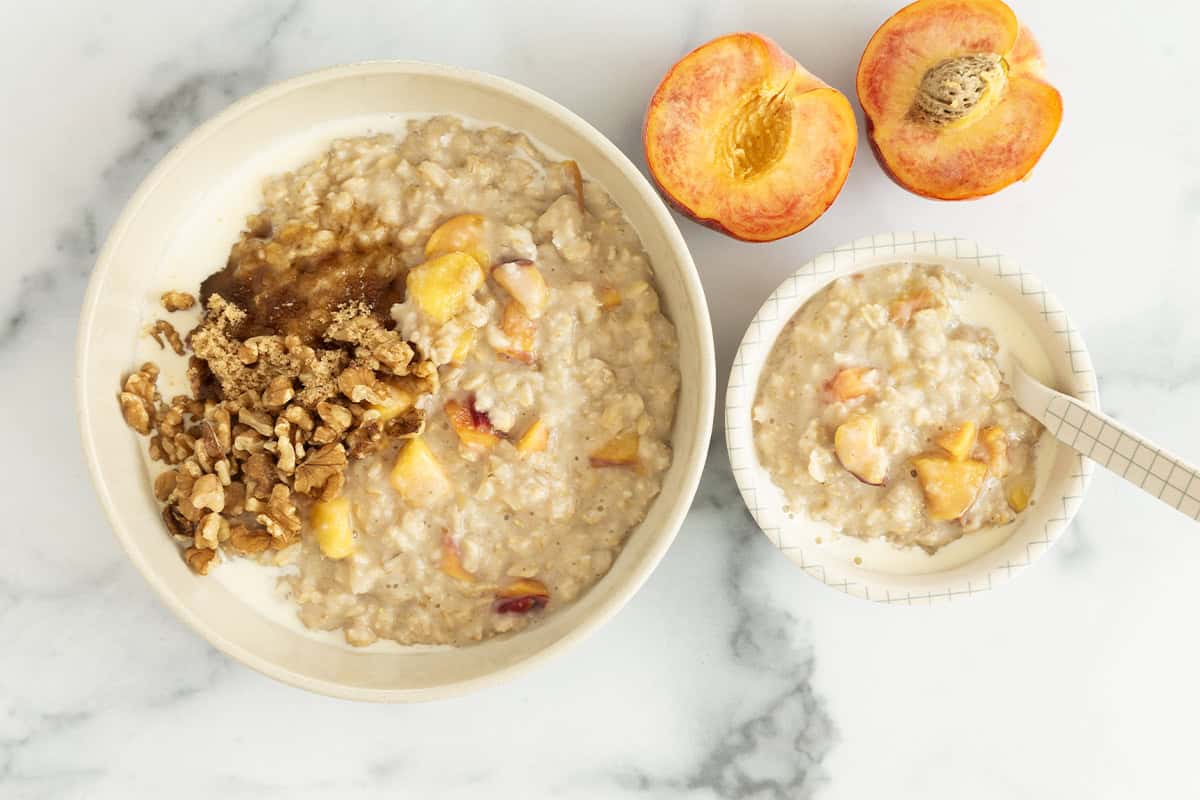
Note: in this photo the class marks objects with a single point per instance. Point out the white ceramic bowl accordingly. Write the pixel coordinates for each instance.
(1030, 322)
(129, 272)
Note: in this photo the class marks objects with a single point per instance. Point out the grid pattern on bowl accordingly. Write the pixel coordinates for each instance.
(755, 484)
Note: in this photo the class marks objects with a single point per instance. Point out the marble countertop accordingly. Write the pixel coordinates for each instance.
(730, 675)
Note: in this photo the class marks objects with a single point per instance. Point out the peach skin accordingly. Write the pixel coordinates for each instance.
(743, 139)
(955, 99)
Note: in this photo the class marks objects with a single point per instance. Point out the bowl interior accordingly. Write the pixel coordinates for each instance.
(224, 159)
(1029, 323)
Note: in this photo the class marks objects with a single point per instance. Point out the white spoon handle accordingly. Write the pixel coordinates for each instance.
(1111, 445)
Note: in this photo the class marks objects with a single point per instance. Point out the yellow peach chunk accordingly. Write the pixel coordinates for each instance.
(523, 280)
(1019, 495)
(521, 333)
(462, 234)
(332, 525)
(856, 444)
(395, 402)
(903, 308)
(466, 341)
(958, 442)
(417, 475)
(473, 428)
(853, 382)
(620, 451)
(609, 297)
(950, 486)
(451, 561)
(995, 442)
(441, 287)
(535, 439)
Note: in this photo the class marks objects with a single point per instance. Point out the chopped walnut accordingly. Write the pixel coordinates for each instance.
(321, 474)
(213, 528)
(208, 493)
(162, 329)
(177, 301)
(248, 541)
(164, 485)
(280, 517)
(199, 559)
(278, 392)
(360, 385)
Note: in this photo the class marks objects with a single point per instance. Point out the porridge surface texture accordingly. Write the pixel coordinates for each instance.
(549, 430)
(883, 413)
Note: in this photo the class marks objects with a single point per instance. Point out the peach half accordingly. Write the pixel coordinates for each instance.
(955, 99)
(743, 139)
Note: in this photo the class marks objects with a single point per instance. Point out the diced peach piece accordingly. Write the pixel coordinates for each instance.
(451, 560)
(462, 234)
(950, 486)
(743, 139)
(609, 297)
(473, 427)
(856, 444)
(418, 476)
(535, 439)
(958, 442)
(523, 280)
(955, 99)
(620, 451)
(466, 340)
(332, 525)
(521, 333)
(442, 286)
(521, 596)
(903, 308)
(852, 382)
(995, 442)
(396, 401)
(1019, 495)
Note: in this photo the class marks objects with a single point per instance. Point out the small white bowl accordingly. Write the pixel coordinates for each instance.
(176, 199)
(1028, 322)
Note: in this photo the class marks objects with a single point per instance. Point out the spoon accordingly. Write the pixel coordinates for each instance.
(1110, 444)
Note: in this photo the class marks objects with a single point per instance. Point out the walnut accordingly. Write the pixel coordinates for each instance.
(177, 524)
(286, 463)
(365, 439)
(280, 517)
(248, 541)
(211, 531)
(279, 392)
(260, 421)
(235, 499)
(208, 493)
(136, 412)
(259, 473)
(360, 385)
(164, 484)
(299, 416)
(156, 449)
(177, 301)
(247, 440)
(222, 470)
(335, 416)
(321, 473)
(199, 560)
(221, 421)
(410, 423)
(162, 329)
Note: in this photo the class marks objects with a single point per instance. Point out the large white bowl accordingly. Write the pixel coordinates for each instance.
(130, 266)
(1030, 321)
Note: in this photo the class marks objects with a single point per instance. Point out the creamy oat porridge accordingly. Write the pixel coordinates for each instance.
(882, 412)
(433, 383)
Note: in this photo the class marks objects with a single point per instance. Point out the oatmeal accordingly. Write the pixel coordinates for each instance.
(433, 383)
(883, 413)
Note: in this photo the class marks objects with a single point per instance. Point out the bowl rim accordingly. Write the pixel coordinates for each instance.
(757, 343)
(693, 289)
